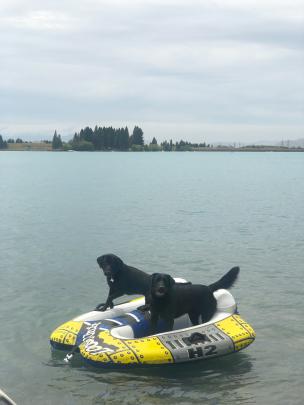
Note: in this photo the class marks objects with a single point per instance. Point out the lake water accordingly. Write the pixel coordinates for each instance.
(193, 215)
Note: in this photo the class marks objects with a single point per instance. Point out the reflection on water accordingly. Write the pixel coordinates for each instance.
(189, 382)
(228, 378)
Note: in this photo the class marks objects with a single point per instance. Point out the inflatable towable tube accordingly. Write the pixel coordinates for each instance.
(118, 336)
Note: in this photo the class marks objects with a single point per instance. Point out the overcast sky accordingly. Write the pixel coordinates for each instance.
(223, 70)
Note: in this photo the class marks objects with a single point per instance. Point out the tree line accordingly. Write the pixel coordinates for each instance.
(109, 138)
(4, 144)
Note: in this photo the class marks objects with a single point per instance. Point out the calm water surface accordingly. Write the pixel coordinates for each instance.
(193, 215)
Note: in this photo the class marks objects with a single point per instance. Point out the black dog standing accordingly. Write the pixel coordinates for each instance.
(170, 300)
(122, 279)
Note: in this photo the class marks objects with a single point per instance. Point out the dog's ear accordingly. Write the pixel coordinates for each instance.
(171, 281)
(154, 276)
(116, 263)
(100, 260)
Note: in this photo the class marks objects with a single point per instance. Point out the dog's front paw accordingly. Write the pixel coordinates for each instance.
(101, 307)
(144, 308)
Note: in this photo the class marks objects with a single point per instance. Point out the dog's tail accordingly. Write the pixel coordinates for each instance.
(227, 280)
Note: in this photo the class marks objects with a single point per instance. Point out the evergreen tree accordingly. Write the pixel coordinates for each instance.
(137, 136)
(166, 146)
(122, 138)
(3, 144)
(56, 142)
(154, 141)
(125, 139)
(86, 134)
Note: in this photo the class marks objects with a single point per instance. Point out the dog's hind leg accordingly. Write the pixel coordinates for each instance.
(170, 323)
(194, 318)
(208, 314)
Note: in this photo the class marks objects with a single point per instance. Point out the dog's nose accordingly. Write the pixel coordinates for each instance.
(161, 289)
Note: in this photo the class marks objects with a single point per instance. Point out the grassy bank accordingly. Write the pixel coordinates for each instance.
(29, 146)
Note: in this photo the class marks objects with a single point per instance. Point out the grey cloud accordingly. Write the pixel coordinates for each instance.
(204, 63)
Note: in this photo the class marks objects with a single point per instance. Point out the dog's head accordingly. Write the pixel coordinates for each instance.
(161, 284)
(110, 264)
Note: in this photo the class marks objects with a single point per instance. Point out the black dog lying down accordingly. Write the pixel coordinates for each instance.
(122, 279)
(169, 300)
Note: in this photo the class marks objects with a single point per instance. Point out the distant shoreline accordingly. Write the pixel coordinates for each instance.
(47, 147)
